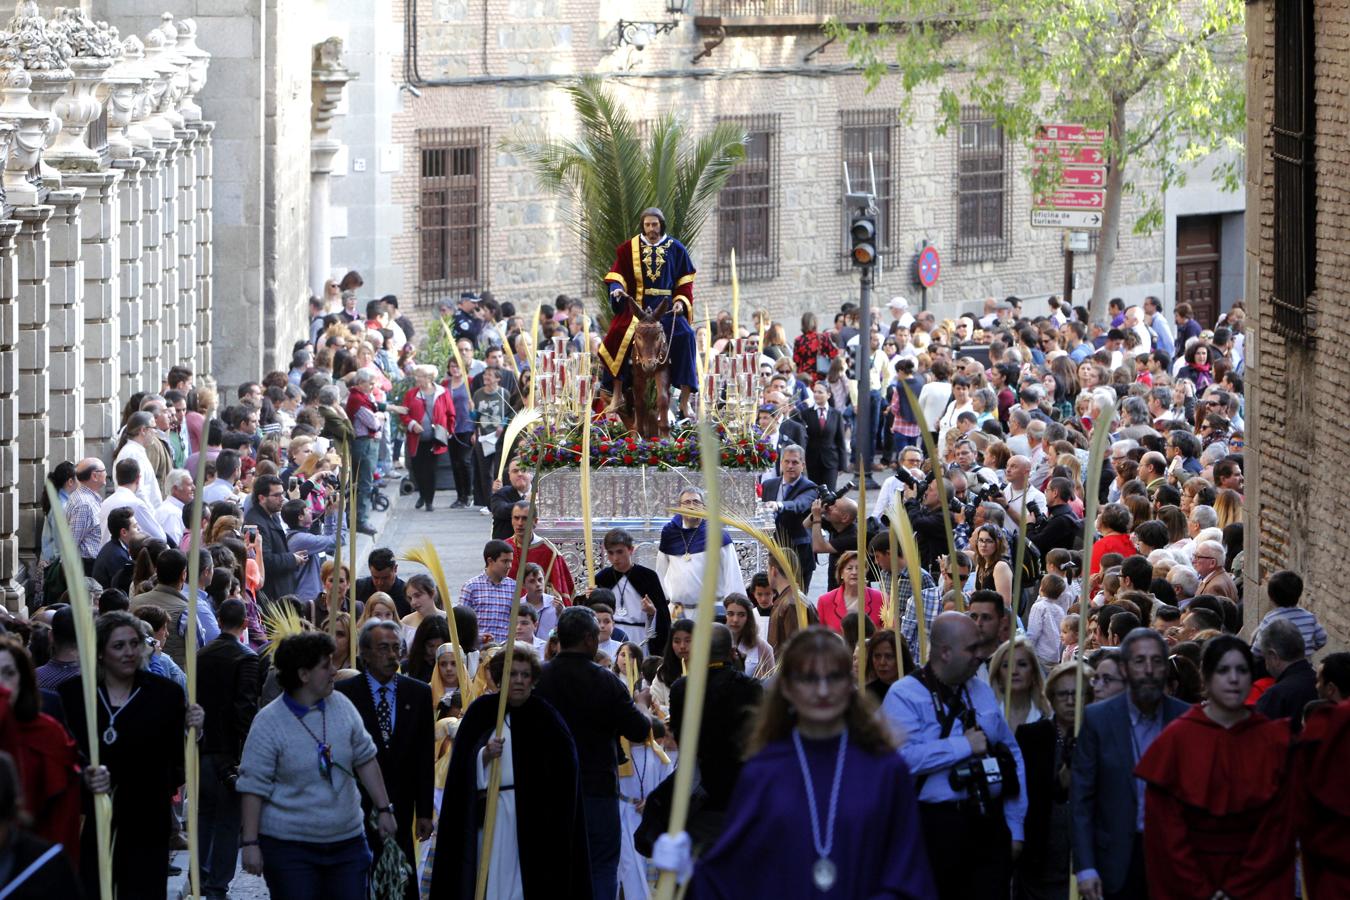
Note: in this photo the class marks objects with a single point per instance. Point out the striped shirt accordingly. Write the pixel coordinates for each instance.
(83, 514)
(909, 621)
(1314, 635)
(491, 603)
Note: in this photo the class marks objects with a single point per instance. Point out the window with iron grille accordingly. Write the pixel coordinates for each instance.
(982, 179)
(747, 208)
(452, 211)
(874, 133)
(1295, 176)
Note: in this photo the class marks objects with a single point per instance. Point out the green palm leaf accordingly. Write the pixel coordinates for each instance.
(608, 175)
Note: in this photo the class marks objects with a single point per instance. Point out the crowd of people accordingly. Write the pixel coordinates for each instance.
(1027, 724)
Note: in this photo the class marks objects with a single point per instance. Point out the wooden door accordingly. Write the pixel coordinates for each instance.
(1198, 266)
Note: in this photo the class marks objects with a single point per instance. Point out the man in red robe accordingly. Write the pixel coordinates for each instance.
(542, 554)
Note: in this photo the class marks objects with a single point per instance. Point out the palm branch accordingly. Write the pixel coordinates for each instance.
(609, 176)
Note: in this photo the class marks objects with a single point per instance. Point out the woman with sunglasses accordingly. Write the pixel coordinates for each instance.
(824, 770)
(301, 810)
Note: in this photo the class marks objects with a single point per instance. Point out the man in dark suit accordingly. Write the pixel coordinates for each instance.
(825, 451)
(1059, 527)
(779, 433)
(1286, 657)
(113, 557)
(398, 716)
(228, 675)
(1107, 802)
(281, 565)
(505, 498)
(789, 498)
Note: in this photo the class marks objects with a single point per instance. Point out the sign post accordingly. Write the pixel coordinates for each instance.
(1079, 196)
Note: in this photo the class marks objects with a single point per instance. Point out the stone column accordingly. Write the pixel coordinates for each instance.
(329, 77)
(205, 260)
(168, 254)
(66, 331)
(34, 319)
(152, 270)
(187, 248)
(130, 291)
(100, 224)
(11, 591)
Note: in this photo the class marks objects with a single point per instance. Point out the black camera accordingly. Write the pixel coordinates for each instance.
(330, 479)
(827, 495)
(988, 780)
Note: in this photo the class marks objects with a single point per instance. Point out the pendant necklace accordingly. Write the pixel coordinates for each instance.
(110, 733)
(684, 537)
(823, 872)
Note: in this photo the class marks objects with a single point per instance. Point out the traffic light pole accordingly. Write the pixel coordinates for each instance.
(862, 431)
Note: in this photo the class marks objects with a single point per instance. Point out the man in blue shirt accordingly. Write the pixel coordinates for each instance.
(1157, 323)
(954, 724)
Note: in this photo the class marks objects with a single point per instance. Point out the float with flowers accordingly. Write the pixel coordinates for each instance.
(632, 481)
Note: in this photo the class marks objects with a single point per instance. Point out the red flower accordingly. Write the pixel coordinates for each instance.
(628, 459)
(652, 460)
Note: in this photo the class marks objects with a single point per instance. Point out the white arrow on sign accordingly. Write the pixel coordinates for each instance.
(1066, 218)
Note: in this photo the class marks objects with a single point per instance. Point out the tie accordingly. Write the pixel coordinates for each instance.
(382, 714)
(822, 418)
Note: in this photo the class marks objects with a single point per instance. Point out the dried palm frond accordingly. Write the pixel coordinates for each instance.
(1100, 438)
(522, 421)
(787, 562)
(280, 621)
(424, 554)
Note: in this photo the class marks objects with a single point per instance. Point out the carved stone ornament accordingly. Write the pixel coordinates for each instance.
(156, 122)
(128, 82)
(181, 80)
(30, 130)
(199, 62)
(328, 78)
(94, 50)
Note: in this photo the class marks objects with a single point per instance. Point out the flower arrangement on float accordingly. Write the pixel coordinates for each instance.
(555, 446)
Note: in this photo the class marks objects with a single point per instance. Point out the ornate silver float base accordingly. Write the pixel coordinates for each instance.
(639, 501)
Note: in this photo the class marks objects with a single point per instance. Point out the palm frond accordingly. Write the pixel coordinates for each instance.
(425, 555)
(280, 620)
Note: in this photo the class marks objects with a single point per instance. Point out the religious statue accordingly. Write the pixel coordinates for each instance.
(651, 283)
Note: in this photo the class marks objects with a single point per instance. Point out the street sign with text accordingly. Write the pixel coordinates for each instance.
(1083, 176)
(1065, 218)
(1075, 198)
(1077, 134)
(1070, 154)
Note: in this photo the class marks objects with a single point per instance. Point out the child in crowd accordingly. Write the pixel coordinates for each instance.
(604, 615)
(1063, 563)
(1044, 620)
(1284, 589)
(1068, 636)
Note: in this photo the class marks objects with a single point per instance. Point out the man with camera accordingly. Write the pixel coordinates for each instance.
(967, 766)
(1019, 496)
(923, 504)
(834, 528)
(1059, 527)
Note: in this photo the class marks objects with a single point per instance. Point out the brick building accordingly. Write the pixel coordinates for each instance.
(467, 215)
(1298, 185)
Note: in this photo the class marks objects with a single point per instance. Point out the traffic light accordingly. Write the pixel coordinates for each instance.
(864, 235)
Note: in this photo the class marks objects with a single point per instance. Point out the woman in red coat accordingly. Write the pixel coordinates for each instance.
(44, 752)
(1218, 817)
(831, 607)
(430, 422)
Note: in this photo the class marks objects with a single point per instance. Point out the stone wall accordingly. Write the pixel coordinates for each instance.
(102, 261)
(511, 79)
(1297, 387)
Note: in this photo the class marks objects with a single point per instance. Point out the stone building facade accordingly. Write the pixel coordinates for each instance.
(1298, 252)
(106, 268)
(464, 214)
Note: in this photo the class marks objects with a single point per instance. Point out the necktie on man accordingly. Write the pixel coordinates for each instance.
(384, 716)
(822, 418)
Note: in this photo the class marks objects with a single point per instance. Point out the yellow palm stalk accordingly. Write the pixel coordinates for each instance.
(424, 554)
(698, 664)
(351, 582)
(940, 479)
(454, 350)
(902, 535)
(191, 757)
(735, 298)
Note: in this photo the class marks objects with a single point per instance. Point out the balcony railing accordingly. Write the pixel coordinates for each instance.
(778, 13)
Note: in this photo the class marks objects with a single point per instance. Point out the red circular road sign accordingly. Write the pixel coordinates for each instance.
(929, 266)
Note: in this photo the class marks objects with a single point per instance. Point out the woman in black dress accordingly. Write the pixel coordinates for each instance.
(141, 721)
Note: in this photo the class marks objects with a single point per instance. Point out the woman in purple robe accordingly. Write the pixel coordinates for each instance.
(824, 805)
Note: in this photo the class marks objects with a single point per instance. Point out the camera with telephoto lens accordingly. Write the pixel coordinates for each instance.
(827, 495)
(989, 779)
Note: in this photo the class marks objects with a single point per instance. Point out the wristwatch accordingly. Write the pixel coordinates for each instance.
(385, 809)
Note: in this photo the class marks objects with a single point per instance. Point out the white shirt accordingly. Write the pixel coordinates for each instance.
(933, 400)
(682, 579)
(145, 514)
(170, 517)
(216, 490)
(149, 486)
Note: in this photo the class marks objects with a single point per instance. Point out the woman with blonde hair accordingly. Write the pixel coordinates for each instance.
(1028, 684)
(1228, 504)
(819, 748)
(379, 605)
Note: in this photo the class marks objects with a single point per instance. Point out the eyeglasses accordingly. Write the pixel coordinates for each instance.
(1065, 695)
(1106, 679)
